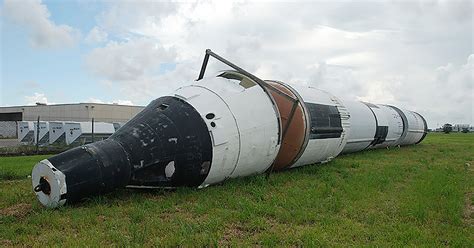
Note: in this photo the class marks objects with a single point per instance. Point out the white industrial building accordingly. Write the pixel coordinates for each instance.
(78, 112)
(70, 112)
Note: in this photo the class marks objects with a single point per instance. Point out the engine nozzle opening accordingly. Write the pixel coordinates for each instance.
(43, 186)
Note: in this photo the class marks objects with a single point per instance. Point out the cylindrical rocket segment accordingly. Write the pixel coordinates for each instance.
(242, 121)
(295, 124)
(329, 124)
(415, 127)
(378, 126)
(363, 127)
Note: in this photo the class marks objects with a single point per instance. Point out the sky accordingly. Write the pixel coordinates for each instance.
(417, 55)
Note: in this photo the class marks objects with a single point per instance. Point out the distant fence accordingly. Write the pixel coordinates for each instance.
(36, 137)
(8, 129)
(23, 150)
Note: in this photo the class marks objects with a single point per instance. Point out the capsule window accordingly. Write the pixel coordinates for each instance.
(213, 124)
(210, 116)
(163, 106)
(243, 80)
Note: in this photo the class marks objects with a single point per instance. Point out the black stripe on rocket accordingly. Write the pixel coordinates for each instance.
(380, 131)
(325, 121)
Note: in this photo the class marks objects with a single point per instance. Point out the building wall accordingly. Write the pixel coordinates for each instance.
(75, 112)
(460, 127)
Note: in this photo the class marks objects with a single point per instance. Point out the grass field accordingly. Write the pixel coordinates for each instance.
(419, 195)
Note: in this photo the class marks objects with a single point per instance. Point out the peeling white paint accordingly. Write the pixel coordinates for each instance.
(169, 169)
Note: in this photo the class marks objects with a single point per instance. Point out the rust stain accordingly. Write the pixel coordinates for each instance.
(294, 140)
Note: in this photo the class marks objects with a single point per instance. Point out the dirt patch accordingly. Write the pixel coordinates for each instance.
(469, 209)
(6, 243)
(101, 218)
(232, 231)
(18, 210)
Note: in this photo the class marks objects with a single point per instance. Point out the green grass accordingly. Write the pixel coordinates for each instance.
(417, 195)
(12, 168)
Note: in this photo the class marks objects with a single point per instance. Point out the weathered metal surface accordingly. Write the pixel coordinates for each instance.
(425, 129)
(320, 149)
(257, 120)
(221, 124)
(49, 184)
(393, 131)
(167, 144)
(242, 121)
(415, 127)
(363, 126)
(393, 126)
(295, 121)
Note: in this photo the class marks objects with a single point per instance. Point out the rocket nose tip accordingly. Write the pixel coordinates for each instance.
(49, 184)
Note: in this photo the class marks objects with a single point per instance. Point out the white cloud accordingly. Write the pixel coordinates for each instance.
(120, 102)
(384, 52)
(94, 100)
(133, 65)
(34, 16)
(123, 17)
(96, 35)
(123, 102)
(129, 60)
(36, 98)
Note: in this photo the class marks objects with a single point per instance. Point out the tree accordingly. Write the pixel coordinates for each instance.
(465, 130)
(447, 128)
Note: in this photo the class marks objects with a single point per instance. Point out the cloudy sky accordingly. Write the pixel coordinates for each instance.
(415, 54)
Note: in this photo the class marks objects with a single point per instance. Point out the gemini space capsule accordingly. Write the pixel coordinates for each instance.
(229, 125)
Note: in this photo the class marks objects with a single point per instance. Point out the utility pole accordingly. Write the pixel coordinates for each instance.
(92, 129)
(37, 134)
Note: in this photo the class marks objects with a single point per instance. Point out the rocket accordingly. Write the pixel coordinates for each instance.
(232, 124)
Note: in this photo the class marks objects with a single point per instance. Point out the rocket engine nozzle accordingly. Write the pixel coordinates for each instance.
(43, 186)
